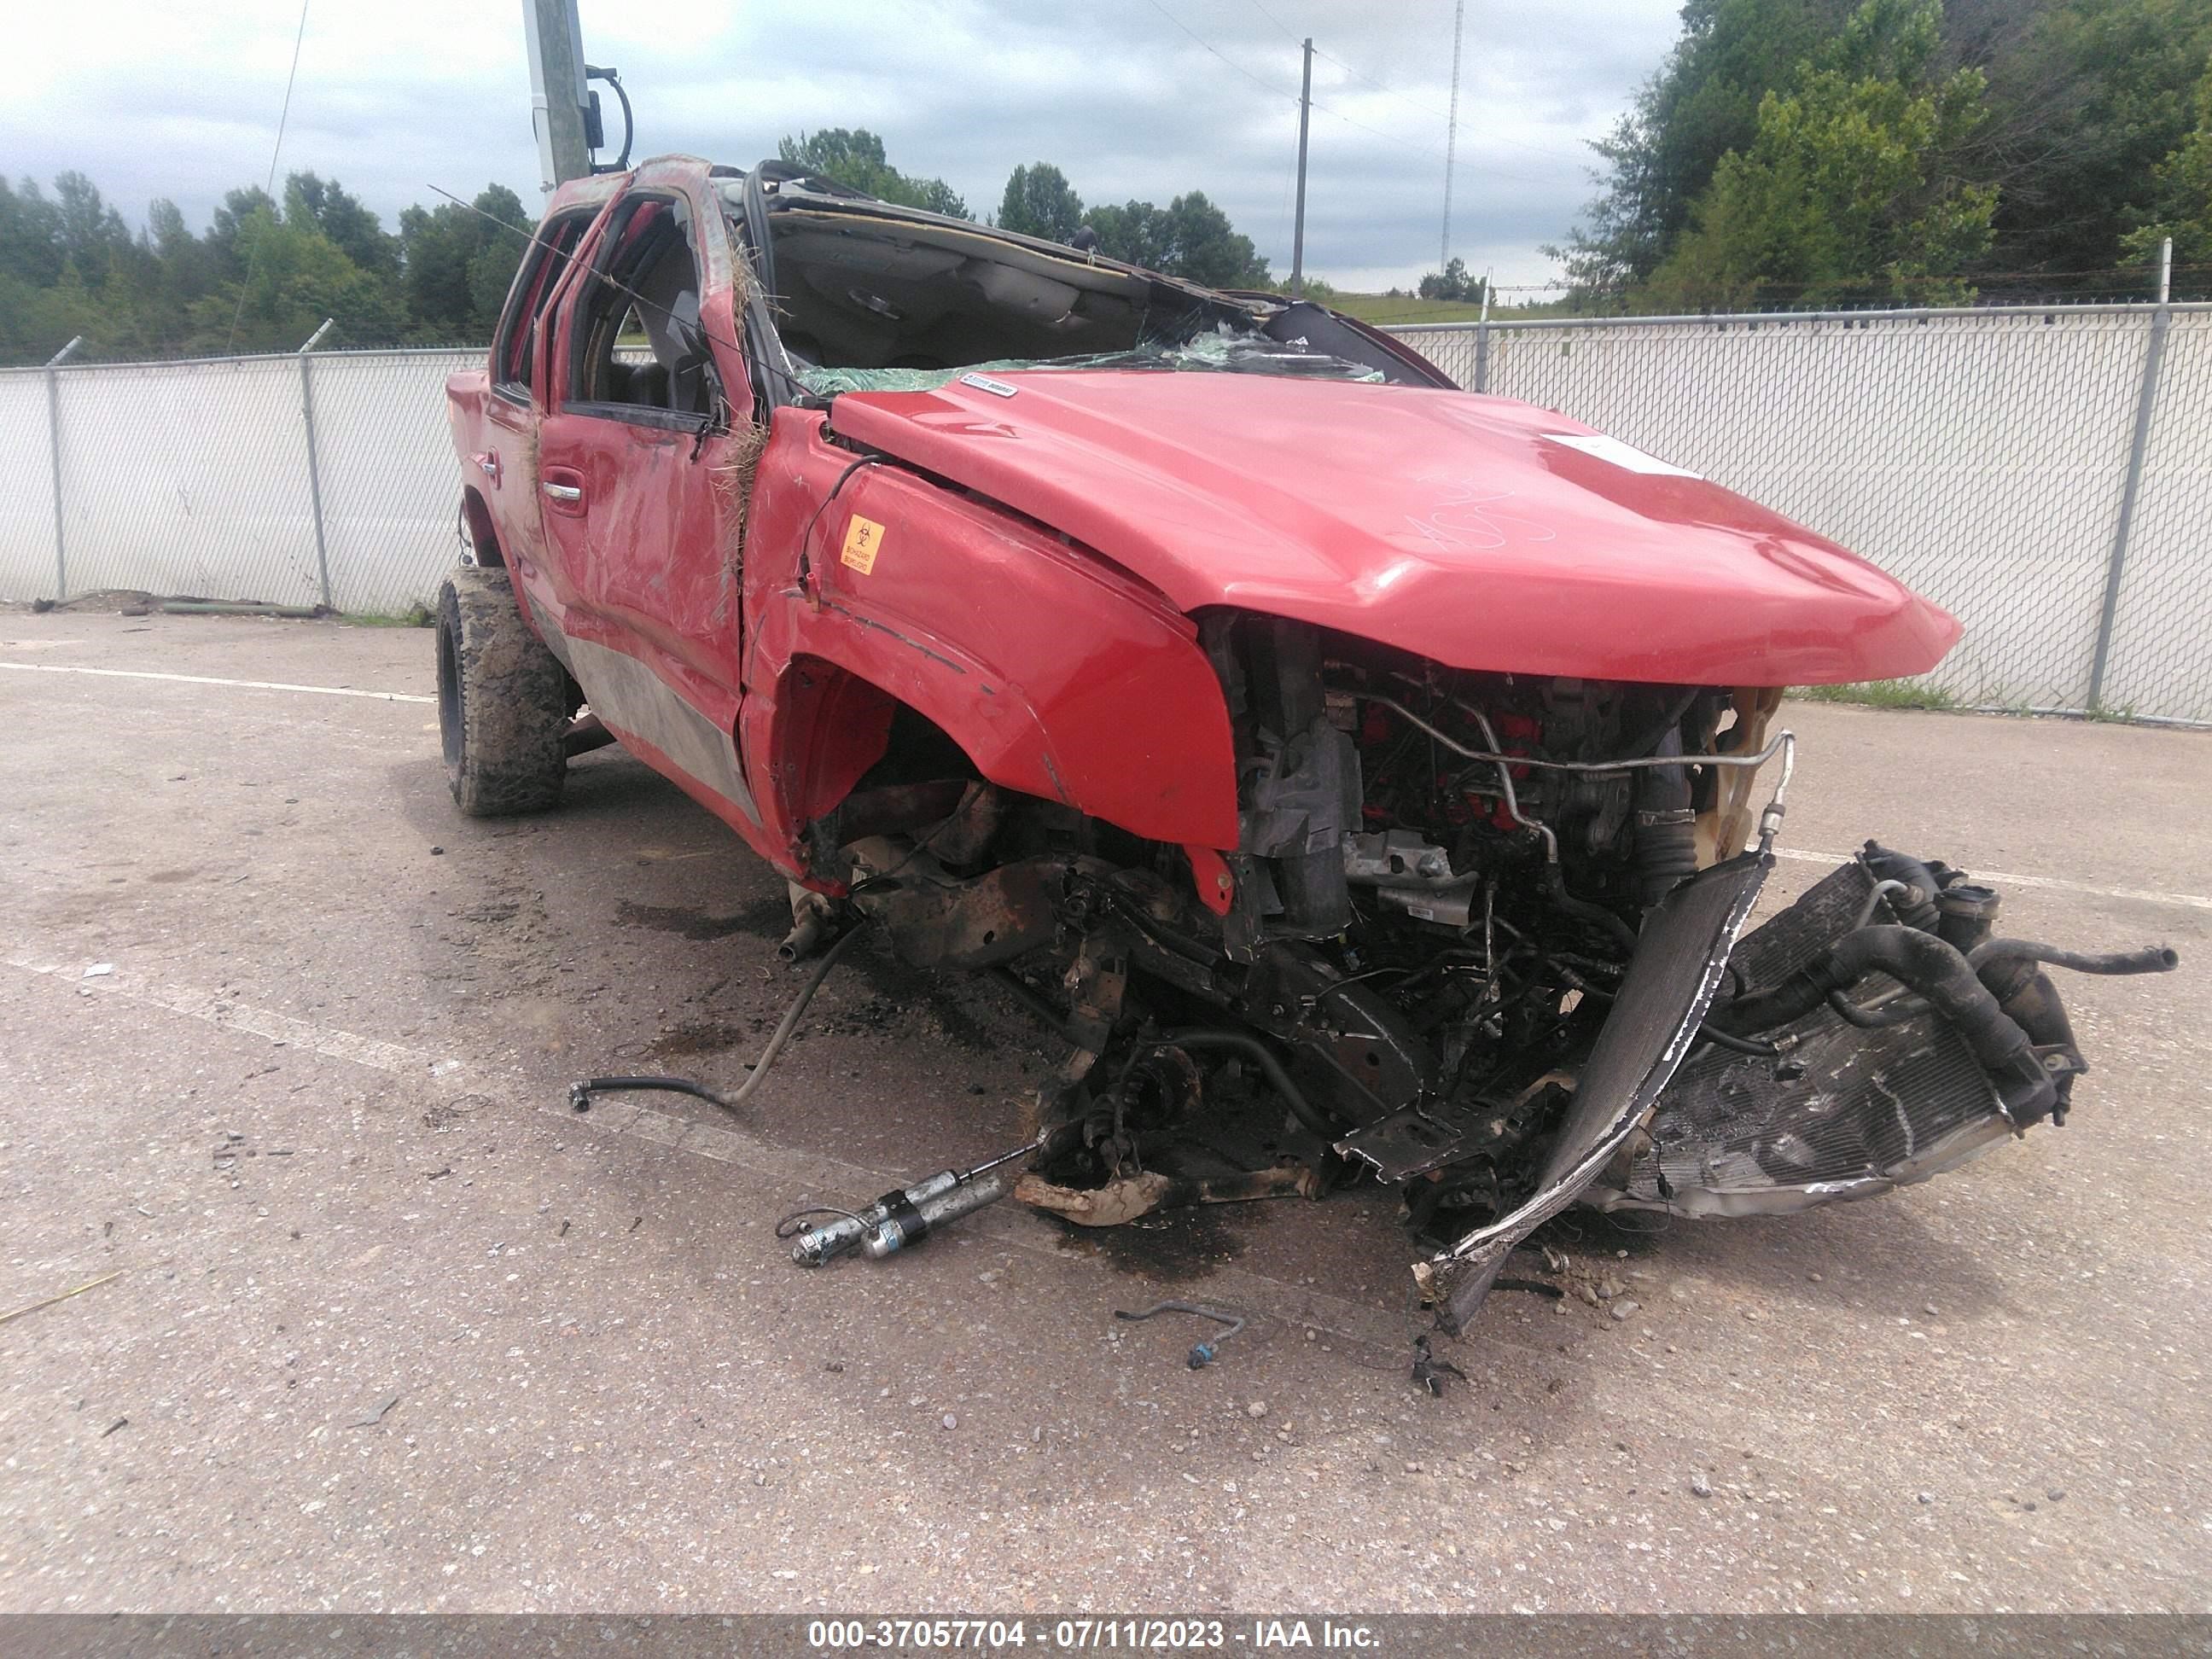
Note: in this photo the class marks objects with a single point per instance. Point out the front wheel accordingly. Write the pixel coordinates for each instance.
(502, 700)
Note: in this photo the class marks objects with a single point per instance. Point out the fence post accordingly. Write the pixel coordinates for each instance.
(314, 469)
(54, 453)
(2146, 400)
(1482, 342)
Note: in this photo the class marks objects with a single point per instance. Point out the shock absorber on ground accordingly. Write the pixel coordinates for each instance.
(903, 1217)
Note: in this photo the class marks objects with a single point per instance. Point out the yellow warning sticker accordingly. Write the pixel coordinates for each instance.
(864, 539)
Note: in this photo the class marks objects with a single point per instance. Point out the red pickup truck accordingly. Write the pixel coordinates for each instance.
(1360, 771)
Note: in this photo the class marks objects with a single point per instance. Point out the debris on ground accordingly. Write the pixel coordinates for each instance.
(1201, 1353)
(1429, 1372)
(32, 1307)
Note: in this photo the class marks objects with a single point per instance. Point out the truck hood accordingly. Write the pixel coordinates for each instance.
(1481, 533)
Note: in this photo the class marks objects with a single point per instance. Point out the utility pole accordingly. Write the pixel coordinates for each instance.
(1451, 134)
(557, 102)
(1299, 228)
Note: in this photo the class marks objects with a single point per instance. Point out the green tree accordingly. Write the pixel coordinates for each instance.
(1703, 103)
(1204, 247)
(298, 277)
(1452, 283)
(37, 320)
(1850, 190)
(182, 262)
(855, 158)
(91, 235)
(2098, 96)
(458, 262)
(339, 215)
(1136, 233)
(1190, 238)
(1039, 202)
(30, 235)
(2182, 205)
(229, 253)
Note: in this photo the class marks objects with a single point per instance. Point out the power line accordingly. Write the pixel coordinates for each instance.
(1412, 103)
(253, 253)
(1290, 97)
(1281, 27)
(1369, 80)
(1263, 85)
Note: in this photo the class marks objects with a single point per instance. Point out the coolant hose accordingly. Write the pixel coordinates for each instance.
(1666, 828)
(1921, 962)
(1272, 1068)
(2154, 959)
(1556, 882)
(1917, 908)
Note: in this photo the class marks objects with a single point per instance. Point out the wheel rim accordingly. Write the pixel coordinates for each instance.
(449, 699)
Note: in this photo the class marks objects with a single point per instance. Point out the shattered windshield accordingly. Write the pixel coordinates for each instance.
(1219, 350)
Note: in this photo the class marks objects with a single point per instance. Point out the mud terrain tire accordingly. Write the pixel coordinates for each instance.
(502, 700)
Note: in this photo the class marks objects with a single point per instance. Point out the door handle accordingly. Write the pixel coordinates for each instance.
(563, 489)
(488, 463)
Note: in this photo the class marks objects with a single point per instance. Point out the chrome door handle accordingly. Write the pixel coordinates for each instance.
(563, 492)
(488, 463)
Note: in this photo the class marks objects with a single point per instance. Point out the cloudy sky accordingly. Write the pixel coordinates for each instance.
(1137, 99)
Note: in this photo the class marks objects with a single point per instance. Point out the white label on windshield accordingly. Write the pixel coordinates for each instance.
(1620, 454)
(985, 383)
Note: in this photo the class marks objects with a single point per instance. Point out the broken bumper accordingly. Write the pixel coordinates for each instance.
(1817, 1077)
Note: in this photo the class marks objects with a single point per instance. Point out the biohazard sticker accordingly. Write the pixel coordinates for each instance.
(864, 539)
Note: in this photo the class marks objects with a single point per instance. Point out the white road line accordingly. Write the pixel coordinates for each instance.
(206, 679)
(1009, 1225)
(1996, 877)
(277, 1028)
(2005, 878)
(620, 1119)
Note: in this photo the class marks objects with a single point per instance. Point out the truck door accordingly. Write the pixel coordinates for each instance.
(502, 479)
(637, 423)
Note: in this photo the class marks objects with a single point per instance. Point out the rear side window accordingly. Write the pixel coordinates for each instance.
(516, 347)
(638, 351)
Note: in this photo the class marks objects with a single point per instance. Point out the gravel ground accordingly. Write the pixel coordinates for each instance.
(382, 1326)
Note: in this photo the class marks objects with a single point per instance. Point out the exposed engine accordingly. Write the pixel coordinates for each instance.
(1479, 942)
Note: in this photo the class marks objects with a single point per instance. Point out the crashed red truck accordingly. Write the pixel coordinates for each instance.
(1357, 771)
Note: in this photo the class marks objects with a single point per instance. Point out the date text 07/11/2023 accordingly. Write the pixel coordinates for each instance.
(1078, 1634)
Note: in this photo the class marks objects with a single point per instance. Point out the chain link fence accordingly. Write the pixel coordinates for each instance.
(2045, 474)
(310, 478)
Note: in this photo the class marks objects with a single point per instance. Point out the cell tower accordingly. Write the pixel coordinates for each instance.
(1451, 132)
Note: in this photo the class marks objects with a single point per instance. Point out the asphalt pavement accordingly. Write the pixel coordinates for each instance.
(375, 1322)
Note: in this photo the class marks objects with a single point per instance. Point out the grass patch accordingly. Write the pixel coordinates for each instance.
(1384, 309)
(1880, 694)
(415, 616)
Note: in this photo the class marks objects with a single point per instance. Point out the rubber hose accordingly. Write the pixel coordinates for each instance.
(2154, 959)
(1588, 912)
(1921, 962)
(1261, 1055)
(1665, 833)
(580, 1094)
(1903, 866)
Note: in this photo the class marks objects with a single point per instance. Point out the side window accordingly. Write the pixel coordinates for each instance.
(636, 341)
(515, 346)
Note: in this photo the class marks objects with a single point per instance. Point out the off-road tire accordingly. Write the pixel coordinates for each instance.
(502, 700)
